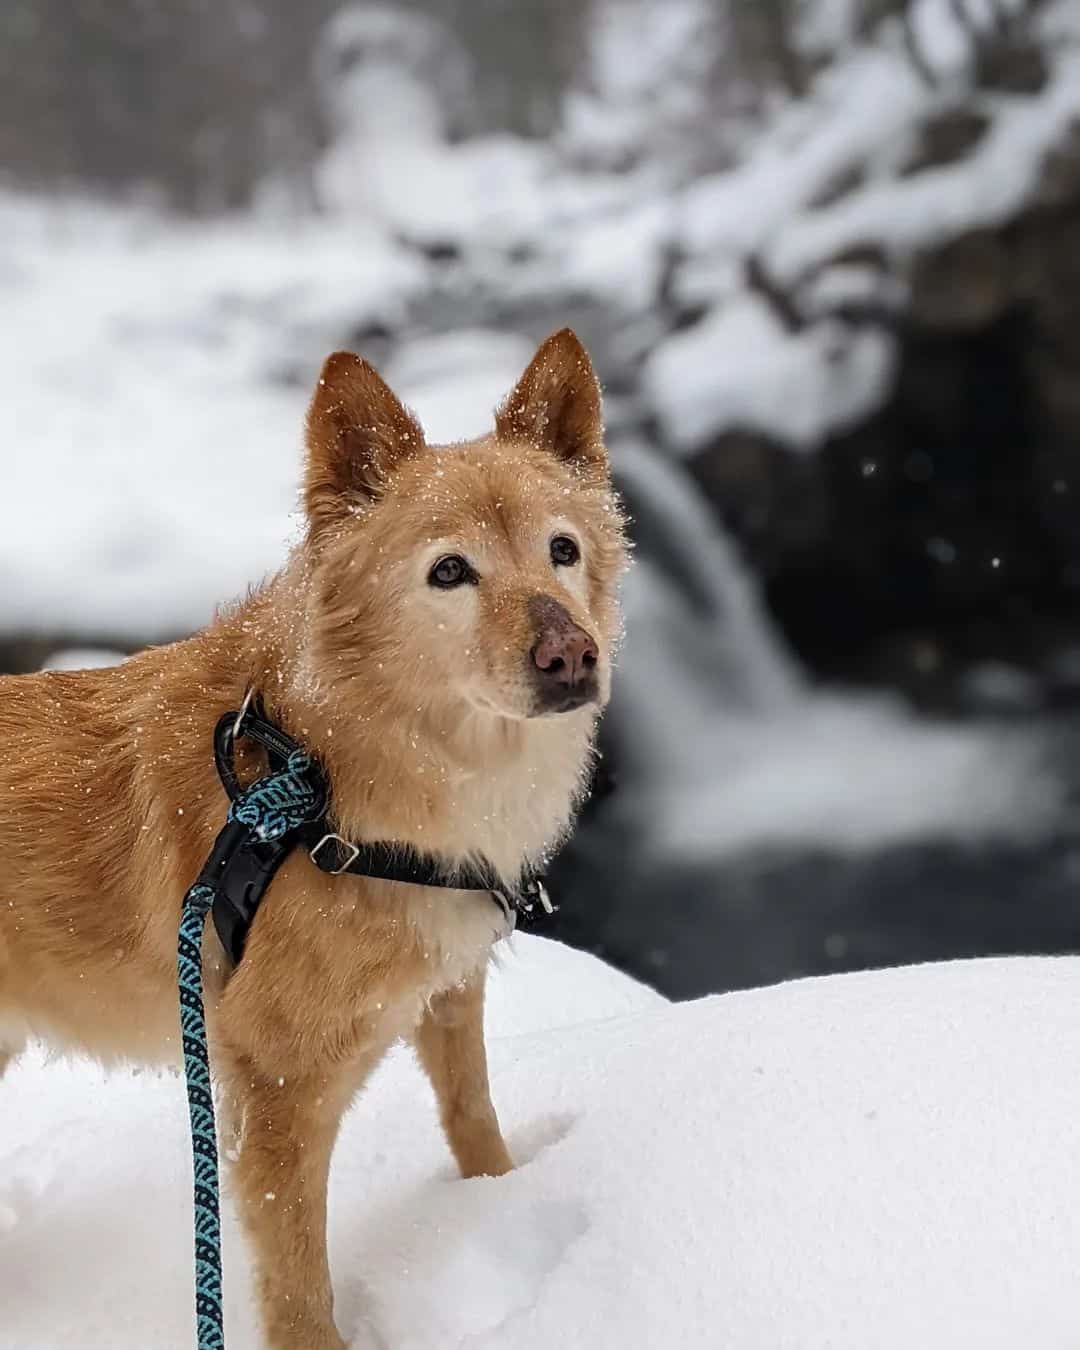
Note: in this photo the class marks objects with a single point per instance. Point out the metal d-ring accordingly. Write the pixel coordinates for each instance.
(238, 724)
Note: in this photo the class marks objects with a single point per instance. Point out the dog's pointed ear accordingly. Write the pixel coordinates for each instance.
(357, 432)
(556, 405)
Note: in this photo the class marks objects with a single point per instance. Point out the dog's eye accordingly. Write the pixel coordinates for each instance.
(564, 552)
(451, 571)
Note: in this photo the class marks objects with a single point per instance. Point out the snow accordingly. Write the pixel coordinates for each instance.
(453, 381)
(648, 64)
(879, 1159)
(860, 109)
(740, 368)
(986, 188)
(155, 377)
(824, 180)
(82, 658)
(488, 189)
(853, 775)
(942, 40)
(619, 258)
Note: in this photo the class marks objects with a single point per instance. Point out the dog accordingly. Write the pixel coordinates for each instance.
(442, 638)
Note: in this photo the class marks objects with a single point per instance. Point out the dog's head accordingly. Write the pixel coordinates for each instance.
(482, 574)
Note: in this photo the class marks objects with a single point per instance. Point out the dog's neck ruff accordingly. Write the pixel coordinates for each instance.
(286, 809)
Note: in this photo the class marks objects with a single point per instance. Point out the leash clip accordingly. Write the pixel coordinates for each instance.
(238, 725)
(535, 890)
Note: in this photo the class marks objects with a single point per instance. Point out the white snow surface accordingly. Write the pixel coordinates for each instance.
(738, 367)
(880, 1159)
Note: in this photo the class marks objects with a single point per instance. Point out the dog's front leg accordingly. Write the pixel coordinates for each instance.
(6, 1057)
(280, 1176)
(450, 1043)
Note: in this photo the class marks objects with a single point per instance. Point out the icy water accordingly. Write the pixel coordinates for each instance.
(692, 928)
(695, 930)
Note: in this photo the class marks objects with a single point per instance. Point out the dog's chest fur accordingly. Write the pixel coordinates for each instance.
(510, 805)
(515, 800)
(504, 792)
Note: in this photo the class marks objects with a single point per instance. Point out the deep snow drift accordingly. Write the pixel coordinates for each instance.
(883, 1159)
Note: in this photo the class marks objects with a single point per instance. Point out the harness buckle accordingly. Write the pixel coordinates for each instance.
(537, 891)
(354, 853)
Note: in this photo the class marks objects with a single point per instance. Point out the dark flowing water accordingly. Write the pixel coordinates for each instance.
(691, 929)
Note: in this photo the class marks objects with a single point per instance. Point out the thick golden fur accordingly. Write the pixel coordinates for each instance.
(420, 705)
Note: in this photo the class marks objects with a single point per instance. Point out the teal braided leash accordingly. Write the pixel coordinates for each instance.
(208, 1306)
(269, 809)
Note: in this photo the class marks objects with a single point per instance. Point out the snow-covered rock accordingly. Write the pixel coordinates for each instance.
(739, 368)
(882, 1159)
(851, 172)
(907, 214)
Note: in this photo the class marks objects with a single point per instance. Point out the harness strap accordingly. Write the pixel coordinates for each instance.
(401, 862)
(393, 862)
(242, 865)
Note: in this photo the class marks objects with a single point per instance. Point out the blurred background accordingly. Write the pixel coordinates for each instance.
(825, 255)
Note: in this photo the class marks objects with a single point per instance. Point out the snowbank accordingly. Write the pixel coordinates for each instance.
(881, 1159)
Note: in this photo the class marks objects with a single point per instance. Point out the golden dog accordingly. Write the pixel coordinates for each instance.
(442, 639)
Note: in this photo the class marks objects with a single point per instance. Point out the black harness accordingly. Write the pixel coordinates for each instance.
(244, 860)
